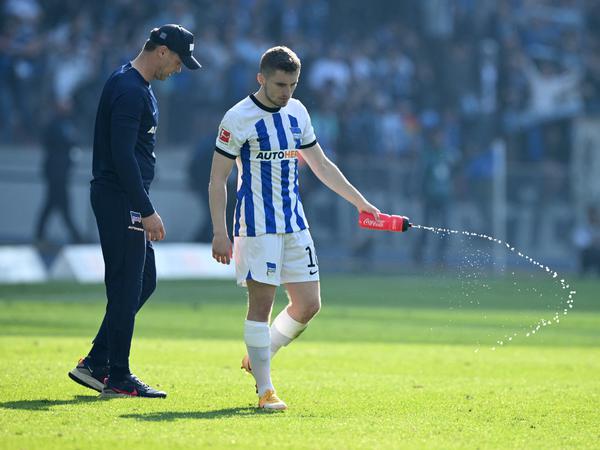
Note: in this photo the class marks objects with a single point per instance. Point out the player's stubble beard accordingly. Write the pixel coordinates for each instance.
(274, 101)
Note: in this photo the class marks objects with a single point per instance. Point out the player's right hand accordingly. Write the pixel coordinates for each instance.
(221, 248)
(154, 228)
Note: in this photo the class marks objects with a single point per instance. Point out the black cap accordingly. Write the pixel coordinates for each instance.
(179, 40)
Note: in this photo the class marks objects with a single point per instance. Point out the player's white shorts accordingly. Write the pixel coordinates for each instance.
(276, 258)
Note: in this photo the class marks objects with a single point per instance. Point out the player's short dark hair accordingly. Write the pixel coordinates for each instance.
(150, 46)
(279, 58)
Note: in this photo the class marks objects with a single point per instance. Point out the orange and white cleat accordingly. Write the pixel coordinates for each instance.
(246, 364)
(269, 400)
(247, 368)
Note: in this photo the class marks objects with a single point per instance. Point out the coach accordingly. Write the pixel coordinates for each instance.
(123, 169)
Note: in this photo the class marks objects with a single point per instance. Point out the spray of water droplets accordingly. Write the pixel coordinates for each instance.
(536, 327)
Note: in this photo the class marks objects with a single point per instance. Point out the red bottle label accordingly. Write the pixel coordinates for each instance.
(386, 222)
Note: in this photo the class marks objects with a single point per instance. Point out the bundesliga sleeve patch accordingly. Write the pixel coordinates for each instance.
(224, 136)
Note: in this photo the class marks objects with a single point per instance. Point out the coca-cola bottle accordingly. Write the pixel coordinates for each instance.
(386, 222)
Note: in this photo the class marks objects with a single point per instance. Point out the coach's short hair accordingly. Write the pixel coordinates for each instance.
(150, 46)
(279, 58)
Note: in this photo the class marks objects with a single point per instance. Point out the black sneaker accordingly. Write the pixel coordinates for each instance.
(130, 386)
(88, 375)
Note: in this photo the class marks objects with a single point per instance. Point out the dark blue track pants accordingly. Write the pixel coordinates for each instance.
(130, 276)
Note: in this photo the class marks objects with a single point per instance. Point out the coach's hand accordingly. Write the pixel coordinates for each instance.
(221, 248)
(153, 225)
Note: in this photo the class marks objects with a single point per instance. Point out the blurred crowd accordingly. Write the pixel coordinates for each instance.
(430, 82)
(376, 79)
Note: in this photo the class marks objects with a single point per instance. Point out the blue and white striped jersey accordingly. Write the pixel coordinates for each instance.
(265, 142)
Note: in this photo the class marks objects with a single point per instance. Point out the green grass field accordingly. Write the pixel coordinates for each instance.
(395, 362)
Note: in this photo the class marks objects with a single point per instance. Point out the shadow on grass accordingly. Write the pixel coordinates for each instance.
(45, 404)
(170, 416)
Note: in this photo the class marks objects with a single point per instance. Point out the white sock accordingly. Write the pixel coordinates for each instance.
(284, 330)
(258, 339)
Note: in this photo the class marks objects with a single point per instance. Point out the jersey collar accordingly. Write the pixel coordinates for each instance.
(261, 106)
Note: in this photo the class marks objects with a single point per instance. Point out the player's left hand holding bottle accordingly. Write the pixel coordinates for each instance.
(364, 206)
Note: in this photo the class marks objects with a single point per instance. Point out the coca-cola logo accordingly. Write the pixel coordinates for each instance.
(372, 223)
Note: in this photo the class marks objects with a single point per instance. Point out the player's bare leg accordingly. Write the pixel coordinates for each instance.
(305, 303)
(258, 340)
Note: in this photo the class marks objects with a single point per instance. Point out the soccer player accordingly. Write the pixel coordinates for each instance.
(265, 133)
(123, 169)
